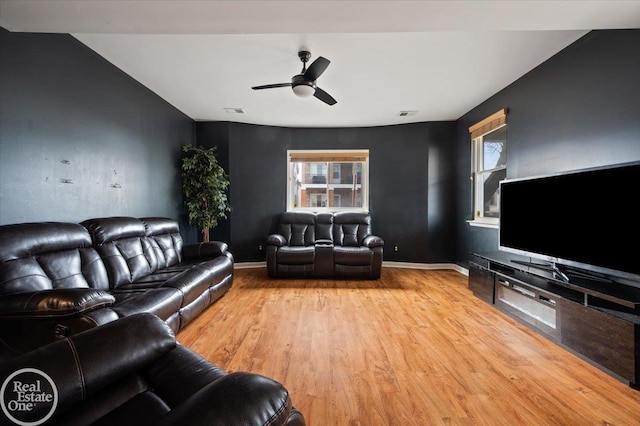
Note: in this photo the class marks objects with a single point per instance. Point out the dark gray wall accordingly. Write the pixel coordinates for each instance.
(411, 182)
(579, 109)
(68, 114)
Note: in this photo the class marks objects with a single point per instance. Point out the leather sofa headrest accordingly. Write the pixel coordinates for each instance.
(107, 229)
(324, 218)
(302, 218)
(160, 226)
(29, 239)
(352, 217)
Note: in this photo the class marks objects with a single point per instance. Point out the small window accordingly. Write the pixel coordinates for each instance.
(327, 180)
(489, 167)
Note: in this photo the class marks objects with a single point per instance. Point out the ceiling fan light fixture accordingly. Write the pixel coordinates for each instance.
(303, 90)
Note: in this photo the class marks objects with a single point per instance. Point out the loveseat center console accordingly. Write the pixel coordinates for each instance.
(596, 319)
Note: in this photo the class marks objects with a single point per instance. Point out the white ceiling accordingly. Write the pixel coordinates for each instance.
(440, 58)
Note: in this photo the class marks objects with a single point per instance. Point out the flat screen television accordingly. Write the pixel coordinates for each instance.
(587, 219)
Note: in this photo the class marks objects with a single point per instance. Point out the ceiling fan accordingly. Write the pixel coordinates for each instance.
(304, 84)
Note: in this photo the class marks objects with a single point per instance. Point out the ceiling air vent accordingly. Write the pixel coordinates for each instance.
(234, 110)
(407, 113)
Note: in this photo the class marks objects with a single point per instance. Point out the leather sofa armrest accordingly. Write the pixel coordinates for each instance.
(53, 303)
(204, 250)
(372, 241)
(276, 240)
(240, 398)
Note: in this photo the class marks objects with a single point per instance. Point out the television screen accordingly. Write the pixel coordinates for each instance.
(587, 219)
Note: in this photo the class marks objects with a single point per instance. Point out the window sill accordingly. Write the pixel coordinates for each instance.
(327, 209)
(483, 224)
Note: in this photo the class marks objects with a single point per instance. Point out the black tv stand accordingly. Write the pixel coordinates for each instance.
(563, 274)
(592, 277)
(592, 316)
(543, 266)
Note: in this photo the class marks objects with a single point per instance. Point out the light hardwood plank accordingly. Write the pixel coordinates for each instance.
(413, 348)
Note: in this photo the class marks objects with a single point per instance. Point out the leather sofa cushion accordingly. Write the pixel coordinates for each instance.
(171, 246)
(298, 228)
(185, 367)
(350, 228)
(125, 261)
(324, 227)
(347, 235)
(165, 240)
(75, 268)
(30, 239)
(191, 283)
(298, 234)
(352, 255)
(44, 256)
(296, 255)
(162, 302)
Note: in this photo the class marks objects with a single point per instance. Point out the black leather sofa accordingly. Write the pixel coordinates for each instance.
(58, 279)
(132, 372)
(330, 245)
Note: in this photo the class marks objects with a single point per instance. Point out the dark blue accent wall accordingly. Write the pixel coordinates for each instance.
(79, 138)
(579, 109)
(411, 182)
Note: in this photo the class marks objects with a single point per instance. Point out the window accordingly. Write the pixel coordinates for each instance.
(336, 172)
(489, 167)
(328, 180)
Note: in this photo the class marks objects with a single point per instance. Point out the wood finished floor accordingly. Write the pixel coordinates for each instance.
(413, 348)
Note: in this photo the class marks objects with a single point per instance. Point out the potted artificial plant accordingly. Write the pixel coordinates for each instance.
(204, 184)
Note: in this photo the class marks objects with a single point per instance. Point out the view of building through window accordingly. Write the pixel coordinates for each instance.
(327, 181)
(492, 170)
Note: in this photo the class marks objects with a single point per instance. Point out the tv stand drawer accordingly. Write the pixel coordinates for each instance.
(481, 282)
(608, 340)
(536, 307)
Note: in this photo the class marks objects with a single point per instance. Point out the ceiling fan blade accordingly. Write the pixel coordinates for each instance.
(316, 68)
(324, 96)
(271, 86)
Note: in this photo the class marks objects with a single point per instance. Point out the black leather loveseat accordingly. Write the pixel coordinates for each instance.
(338, 245)
(132, 372)
(57, 279)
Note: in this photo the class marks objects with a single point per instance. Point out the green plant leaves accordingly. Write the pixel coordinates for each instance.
(204, 185)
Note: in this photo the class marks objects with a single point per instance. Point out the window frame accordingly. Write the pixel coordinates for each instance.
(478, 131)
(330, 156)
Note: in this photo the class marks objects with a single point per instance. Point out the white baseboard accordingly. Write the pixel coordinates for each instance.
(426, 266)
(249, 265)
(406, 265)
